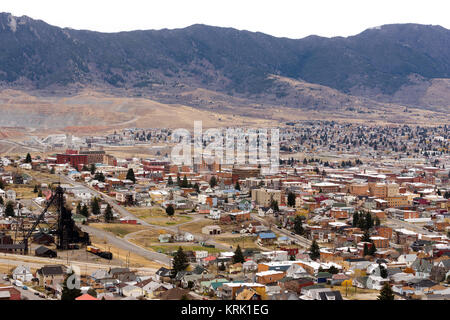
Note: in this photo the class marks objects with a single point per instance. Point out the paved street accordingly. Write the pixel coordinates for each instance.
(128, 246)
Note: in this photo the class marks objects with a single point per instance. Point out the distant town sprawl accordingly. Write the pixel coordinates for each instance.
(353, 212)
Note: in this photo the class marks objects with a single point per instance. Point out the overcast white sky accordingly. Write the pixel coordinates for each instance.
(282, 18)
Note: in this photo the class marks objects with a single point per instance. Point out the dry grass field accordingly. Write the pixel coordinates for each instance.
(120, 230)
(158, 217)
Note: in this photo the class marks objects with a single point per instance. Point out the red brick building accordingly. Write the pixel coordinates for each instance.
(8, 292)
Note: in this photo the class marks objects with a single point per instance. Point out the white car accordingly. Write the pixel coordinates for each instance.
(18, 283)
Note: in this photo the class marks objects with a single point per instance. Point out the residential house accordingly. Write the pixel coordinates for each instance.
(51, 275)
(296, 271)
(376, 282)
(249, 266)
(422, 267)
(131, 291)
(22, 273)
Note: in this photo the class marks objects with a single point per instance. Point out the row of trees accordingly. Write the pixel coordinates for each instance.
(95, 210)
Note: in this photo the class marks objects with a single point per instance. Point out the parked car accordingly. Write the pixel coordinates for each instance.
(18, 283)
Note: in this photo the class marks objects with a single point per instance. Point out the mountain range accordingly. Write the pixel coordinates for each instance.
(399, 64)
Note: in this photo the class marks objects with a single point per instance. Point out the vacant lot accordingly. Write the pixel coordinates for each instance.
(157, 216)
(120, 230)
(148, 237)
(245, 242)
(196, 227)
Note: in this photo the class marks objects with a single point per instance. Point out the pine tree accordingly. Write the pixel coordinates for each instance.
(291, 199)
(78, 210)
(197, 187)
(95, 207)
(298, 225)
(184, 183)
(314, 251)
(386, 293)
(365, 250)
(213, 182)
(28, 158)
(9, 210)
(369, 221)
(99, 176)
(373, 249)
(35, 189)
(274, 206)
(237, 186)
(170, 210)
(108, 214)
(180, 262)
(93, 168)
(130, 175)
(333, 270)
(69, 294)
(170, 181)
(85, 211)
(238, 256)
(355, 219)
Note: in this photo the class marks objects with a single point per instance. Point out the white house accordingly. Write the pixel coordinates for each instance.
(11, 195)
(6, 162)
(84, 195)
(262, 212)
(184, 237)
(150, 288)
(131, 291)
(22, 273)
(296, 271)
(26, 166)
(407, 259)
(202, 254)
(214, 214)
(375, 282)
